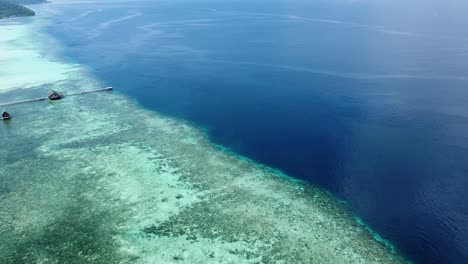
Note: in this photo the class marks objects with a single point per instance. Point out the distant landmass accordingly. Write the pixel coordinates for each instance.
(13, 8)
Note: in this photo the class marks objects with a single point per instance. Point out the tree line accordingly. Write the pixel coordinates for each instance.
(12, 8)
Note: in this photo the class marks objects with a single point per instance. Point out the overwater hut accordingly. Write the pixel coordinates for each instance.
(5, 115)
(54, 95)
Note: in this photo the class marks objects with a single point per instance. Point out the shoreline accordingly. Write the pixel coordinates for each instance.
(10, 10)
(161, 192)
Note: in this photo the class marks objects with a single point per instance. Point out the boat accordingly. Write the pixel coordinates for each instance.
(54, 95)
(6, 116)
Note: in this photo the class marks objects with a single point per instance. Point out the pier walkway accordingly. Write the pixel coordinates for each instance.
(45, 98)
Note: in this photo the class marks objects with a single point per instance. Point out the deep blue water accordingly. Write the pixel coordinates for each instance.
(368, 99)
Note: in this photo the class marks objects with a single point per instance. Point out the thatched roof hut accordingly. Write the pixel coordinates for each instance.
(54, 95)
(5, 115)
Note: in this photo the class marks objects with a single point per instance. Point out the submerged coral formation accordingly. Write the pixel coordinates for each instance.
(99, 179)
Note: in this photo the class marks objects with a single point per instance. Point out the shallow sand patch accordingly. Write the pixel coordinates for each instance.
(24, 60)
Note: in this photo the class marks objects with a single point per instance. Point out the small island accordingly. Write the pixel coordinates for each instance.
(13, 8)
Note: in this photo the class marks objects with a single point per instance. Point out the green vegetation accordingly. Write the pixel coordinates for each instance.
(8, 9)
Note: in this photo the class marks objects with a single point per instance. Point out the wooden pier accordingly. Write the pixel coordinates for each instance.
(46, 98)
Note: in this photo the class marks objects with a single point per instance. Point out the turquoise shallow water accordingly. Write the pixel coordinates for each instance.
(100, 179)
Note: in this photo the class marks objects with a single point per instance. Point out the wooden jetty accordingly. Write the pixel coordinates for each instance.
(92, 91)
(46, 98)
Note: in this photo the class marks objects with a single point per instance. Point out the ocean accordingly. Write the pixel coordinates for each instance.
(364, 99)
